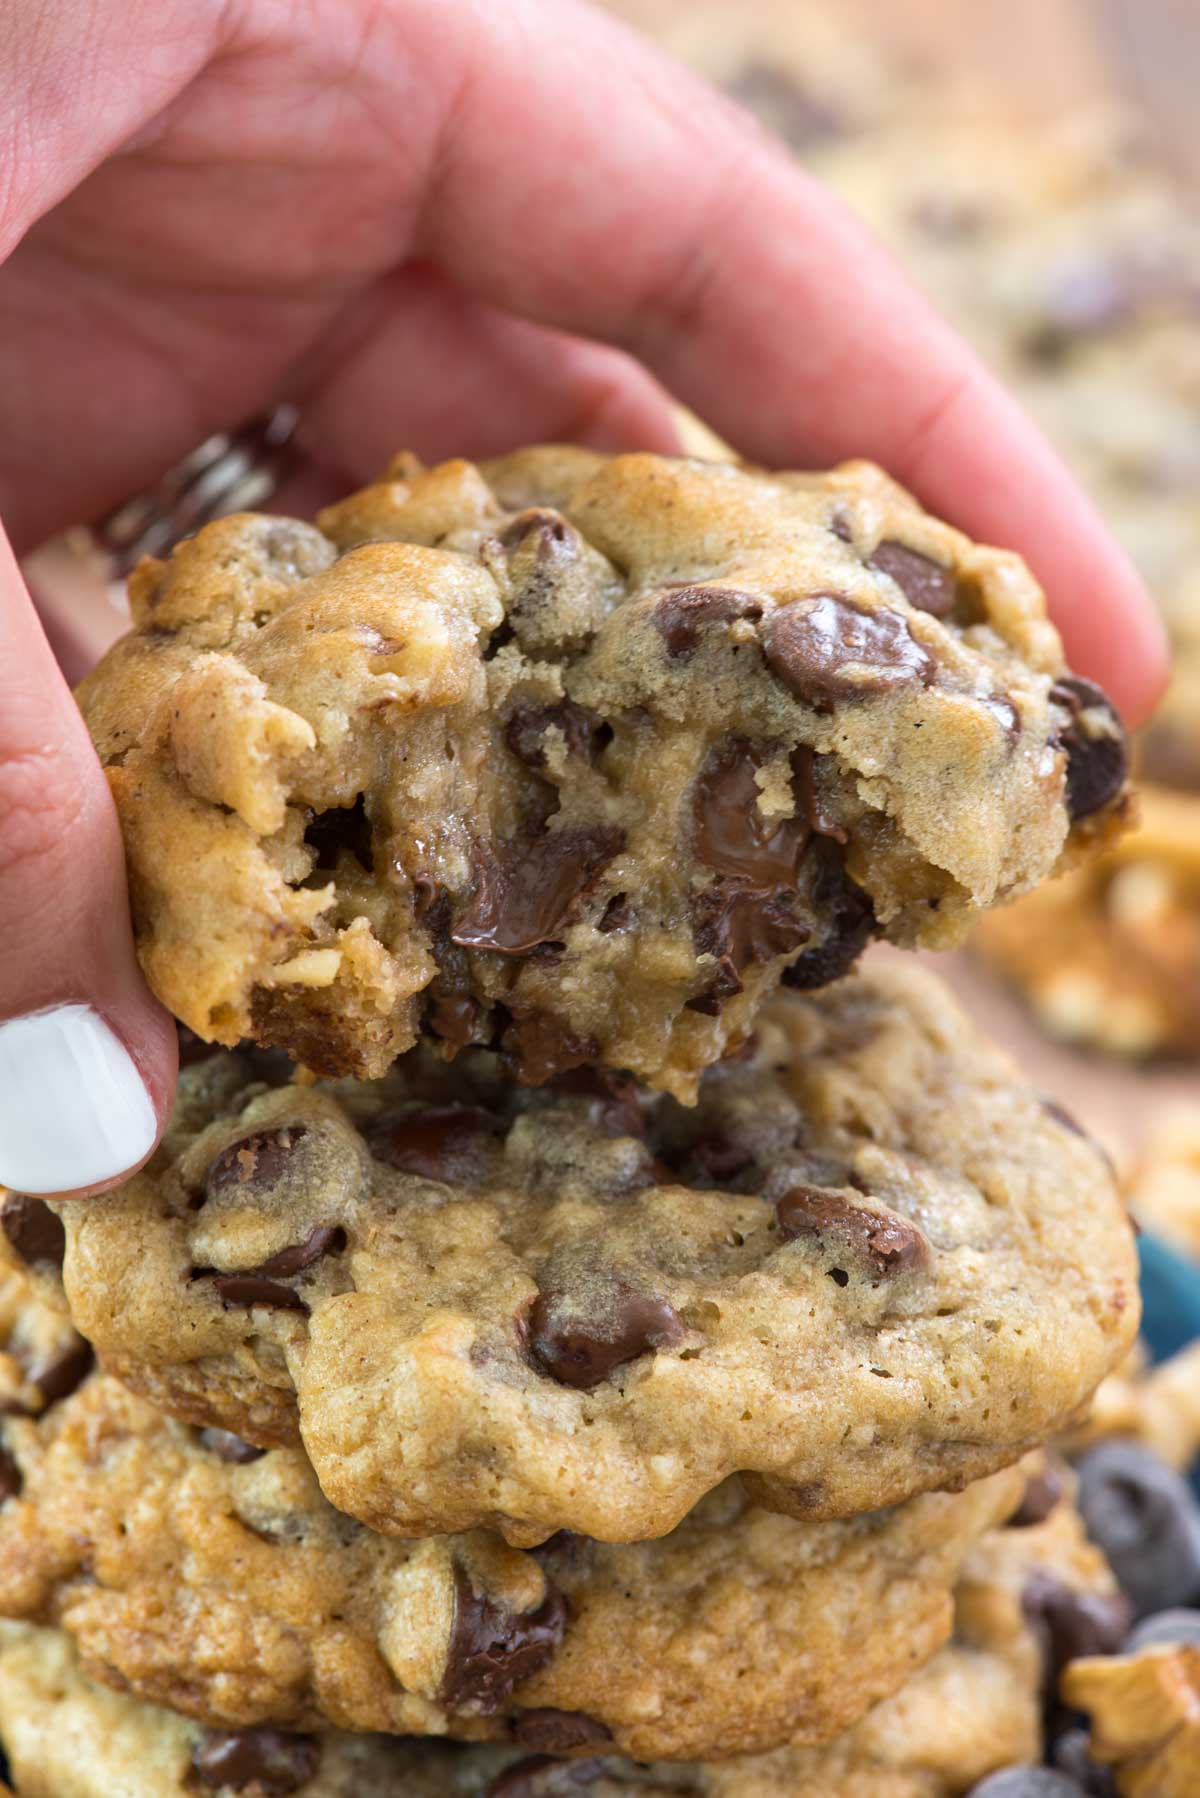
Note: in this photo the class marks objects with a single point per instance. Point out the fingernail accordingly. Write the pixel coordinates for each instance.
(73, 1108)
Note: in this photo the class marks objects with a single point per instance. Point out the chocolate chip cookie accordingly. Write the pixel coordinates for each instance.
(578, 757)
(213, 1577)
(869, 1263)
(975, 1707)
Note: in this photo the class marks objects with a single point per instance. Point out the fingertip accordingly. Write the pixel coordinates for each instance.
(80, 1110)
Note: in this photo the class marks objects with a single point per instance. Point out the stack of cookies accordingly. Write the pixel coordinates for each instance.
(572, 1314)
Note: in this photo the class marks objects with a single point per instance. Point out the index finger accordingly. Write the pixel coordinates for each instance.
(586, 180)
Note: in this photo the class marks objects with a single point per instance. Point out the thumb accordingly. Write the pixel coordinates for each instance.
(87, 1055)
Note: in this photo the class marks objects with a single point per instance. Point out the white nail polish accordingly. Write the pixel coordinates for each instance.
(73, 1107)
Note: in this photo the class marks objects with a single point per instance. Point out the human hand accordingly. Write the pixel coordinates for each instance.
(454, 227)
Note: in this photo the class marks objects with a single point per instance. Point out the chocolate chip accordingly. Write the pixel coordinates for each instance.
(539, 1047)
(1095, 743)
(826, 648)
(338, 832)
(730, 833)
(63, 1373)
(11, 1480)
(1173, 1628)
(256, 1161)
(264, 1760)
(559, 1732)
(1027, 1782)
(229, 1447)
(549, 531)
(741, 925)
(452, 1014)
(1146, 1518)
(324, 1239)
(683, 615)
(260, 1285)
(715, 1160)
(1072, 1623)
(926, 584)
(249, 1290)
(525, 732)
(882, 1242)
(35, 1233)
(536, 889)
(1069, 1753)
(1042, 1492)
(451, 1143)
(581, 1349)
(541, 1776)
(807, 787)
(492, 1649)
(847, 921)
(612, 1099)
(618, 914)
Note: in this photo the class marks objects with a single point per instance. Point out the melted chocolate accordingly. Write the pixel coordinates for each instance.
(825, 648)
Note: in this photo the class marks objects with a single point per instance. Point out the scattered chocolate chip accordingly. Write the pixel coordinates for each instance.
(1027, 1782)
(684, 614)
(452, 1014)
(806, 785)
(582, 1350)
(534, 892)
(1043, 1490)
(35, 1233)
(1072, 1623)
(1069, 1753)
(948, 217)
(613, 1099)
(847, 918)
(451, 1143)
(549, 530)
(1172, 1628)
(926, 584)
(324, 1239)
(730, 833)
(249, 1290)
(1146, 1518)
(741, 925)
(539, 1047)
(1062, 1116)
(715, 1160)
(492, 1649)
(1086, 297)
(1096, 747)
(229, 1447)
(559, 1732)
(618, 914)
(825, 647)
(340, 831)
(883, 1242)
(527, 726)
(63, 1373)
(265, 1760)
(11, 1481)
(261, 1285)
(256, 1161)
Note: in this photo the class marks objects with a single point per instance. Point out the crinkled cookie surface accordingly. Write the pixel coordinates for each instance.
(579, 756)
(974, 1708)
(869, 1263)
(212, 1577)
